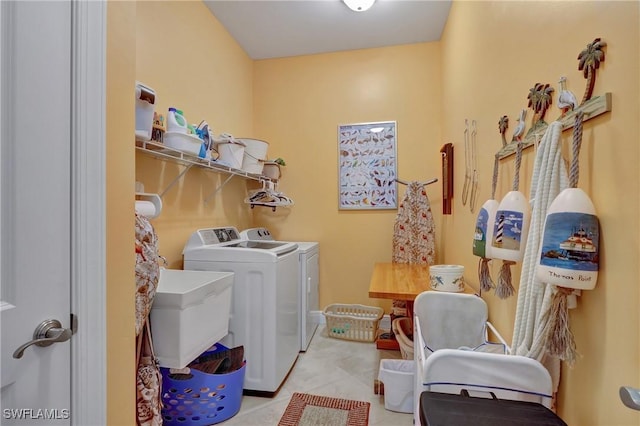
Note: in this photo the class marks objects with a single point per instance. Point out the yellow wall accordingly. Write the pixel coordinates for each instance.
(482, 69)
(299, 102)
(192, 63)
(121, 353)
(490, 61)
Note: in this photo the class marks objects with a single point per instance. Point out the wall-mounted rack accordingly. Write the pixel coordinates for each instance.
(592, 108)
(163, 152)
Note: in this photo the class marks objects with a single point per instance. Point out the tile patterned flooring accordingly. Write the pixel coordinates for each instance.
(330, 367)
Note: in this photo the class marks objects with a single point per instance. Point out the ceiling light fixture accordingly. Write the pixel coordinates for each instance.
(359, 5)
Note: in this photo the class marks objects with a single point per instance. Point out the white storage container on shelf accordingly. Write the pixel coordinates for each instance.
(190, 312)
(189, 144)
(255, 154)
(145, 107)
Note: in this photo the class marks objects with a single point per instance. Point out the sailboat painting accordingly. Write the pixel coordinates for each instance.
(571, 241)
(507, 231)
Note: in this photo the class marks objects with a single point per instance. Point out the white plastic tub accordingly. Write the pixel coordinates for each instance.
(255, 154)
(397, 376)
(183, 142)
(190, 313)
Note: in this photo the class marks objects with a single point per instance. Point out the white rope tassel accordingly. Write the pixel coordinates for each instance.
(505, 288)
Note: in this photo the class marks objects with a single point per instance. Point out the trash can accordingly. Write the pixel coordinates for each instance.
(397, 376)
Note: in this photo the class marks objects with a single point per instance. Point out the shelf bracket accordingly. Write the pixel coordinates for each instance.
(174, 181)
(218, 189)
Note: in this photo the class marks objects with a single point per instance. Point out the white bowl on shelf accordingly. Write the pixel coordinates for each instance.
(183, 142)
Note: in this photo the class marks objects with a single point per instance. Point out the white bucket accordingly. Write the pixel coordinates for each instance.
(447, 278)
(255, 154)
(231, 154)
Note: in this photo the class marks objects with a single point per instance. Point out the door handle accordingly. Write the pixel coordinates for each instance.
(630, 397)
(46, 333)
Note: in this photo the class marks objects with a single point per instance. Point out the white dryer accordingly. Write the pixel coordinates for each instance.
(264, 300)
(308, 256)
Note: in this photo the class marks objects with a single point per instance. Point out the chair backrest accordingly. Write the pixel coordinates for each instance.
(512, 377)
(450, 320)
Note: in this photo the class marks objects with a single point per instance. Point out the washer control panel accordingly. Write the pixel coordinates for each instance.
(218, 235)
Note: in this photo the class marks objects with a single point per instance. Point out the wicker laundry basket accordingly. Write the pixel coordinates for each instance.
(353, 322)
(402, 328)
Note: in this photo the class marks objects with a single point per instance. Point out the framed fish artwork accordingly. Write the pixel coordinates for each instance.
(367, 166)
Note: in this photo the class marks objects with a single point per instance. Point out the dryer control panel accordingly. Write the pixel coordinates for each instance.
(255, 234)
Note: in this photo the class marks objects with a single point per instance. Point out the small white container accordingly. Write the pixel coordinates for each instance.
(447, 278)
(271, 170)
(183, 142)
(231, 154)
(255, 154)
(397, 376)
(190, 313)
(145, 107)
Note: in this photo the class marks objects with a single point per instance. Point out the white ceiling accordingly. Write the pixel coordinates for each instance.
(277, 28)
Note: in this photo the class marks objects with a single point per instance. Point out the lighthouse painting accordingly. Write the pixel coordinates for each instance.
(507, 232)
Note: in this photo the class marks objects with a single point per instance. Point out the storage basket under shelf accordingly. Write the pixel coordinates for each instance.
(353, 322)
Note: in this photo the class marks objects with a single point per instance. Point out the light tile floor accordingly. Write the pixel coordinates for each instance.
(330, 367)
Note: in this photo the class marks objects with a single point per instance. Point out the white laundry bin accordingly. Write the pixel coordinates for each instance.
(397, 376)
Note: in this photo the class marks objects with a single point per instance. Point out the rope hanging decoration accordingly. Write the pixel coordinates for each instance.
(572, 261)
(505, 287)
(511, 224)
(483, 235)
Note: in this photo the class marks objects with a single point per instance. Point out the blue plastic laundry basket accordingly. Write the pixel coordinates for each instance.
(203, 399)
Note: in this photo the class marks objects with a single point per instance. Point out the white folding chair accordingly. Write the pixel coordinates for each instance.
(449, 321)
(512, 377)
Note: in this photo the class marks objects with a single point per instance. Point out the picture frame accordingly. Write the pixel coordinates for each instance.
(367, 166)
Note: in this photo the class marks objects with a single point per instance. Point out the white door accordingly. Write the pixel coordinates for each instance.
(35, 194)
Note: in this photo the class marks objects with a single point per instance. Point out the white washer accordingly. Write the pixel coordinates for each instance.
(308, 255)
(264, 300)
